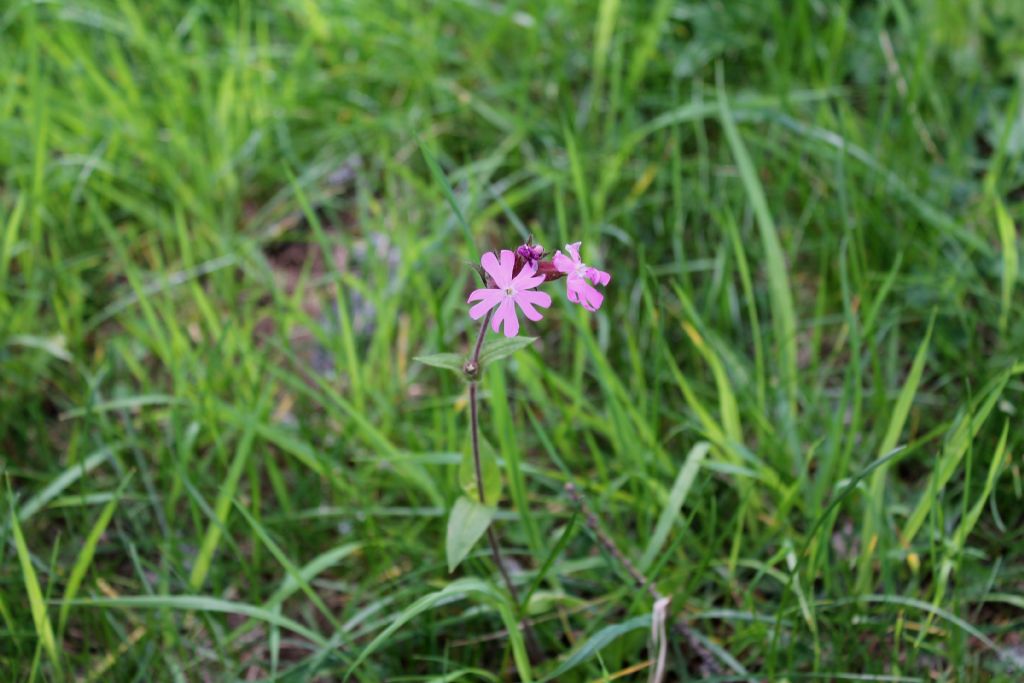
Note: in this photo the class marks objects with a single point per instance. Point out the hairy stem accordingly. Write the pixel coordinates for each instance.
(480, 337)
(474, 428)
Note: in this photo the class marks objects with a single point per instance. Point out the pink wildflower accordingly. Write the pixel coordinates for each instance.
(577, 273)
(508, 292)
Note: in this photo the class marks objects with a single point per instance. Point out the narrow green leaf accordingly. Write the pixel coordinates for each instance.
(126, 403)
(439, 177)
(461, 587)
(69, 476)
(780, 294)
(647, 45)
(496, 349)
(1006, 654)
(221, 510)
(1011, 268)
(953, 452)
(971, 519)
(606, 14)
(55, 345)
(11, 234)
(310, 570)
(467, 522)
(851, 484)
(871, 525)
(871, 316)
(676, 498)
(40, 619)
(550, 559)
(598, 642)
(202, 603)
(293, 572)
(88, 551)
(959, 537)
(727, 404)
(289, 585)
(488, 468)
(449, 361)
(5, 613)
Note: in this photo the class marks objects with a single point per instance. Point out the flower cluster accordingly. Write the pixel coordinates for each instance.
(512, 279)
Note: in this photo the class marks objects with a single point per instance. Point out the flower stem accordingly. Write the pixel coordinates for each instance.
(474, 427)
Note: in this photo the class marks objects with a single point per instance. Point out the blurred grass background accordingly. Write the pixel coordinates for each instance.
(221, 246)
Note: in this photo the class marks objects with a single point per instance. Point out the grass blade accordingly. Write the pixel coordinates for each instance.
(72, 474)
(86, 554)
(442, 180)
(222, 509)
(202, 603)
(873, 509)
(40, 618)
(676, 497)
(783, 309)
(954, 451)
(598, 642)
(452, 591)
(1011, 267)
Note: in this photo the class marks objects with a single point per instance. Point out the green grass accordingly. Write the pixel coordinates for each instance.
(222, 242)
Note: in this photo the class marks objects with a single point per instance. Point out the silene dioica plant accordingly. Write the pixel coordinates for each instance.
(510, 286)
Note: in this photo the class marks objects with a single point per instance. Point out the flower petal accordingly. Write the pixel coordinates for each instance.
(498, 272)
(563, 263)
(574, 252)
(508, 264)
(527, 278)
(580, 292)
(536, 298)
(527, 301)
(572, 288)
(506, 315)
(488, 298)
(481, 293)
(592, 299)
(598, 277)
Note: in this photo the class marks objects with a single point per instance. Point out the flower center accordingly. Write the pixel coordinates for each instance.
(509, 291)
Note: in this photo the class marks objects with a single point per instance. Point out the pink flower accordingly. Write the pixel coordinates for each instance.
(577, 273)
(508, 292)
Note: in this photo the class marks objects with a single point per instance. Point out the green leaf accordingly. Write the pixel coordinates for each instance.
(33, 592)
(88, 551)
(489, 470)
(779, 292)
(221, 510)
(550, 560)
(954, 449)
(669, 514)
(466, 524)
(60, 484)
(872, 524)
(1011, 267)
(598, 642)
(449, 361)
(203, 603)
(496, 349)
(439, 176)
(456, 589)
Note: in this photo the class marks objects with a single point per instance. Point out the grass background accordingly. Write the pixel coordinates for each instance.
(221, 248)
